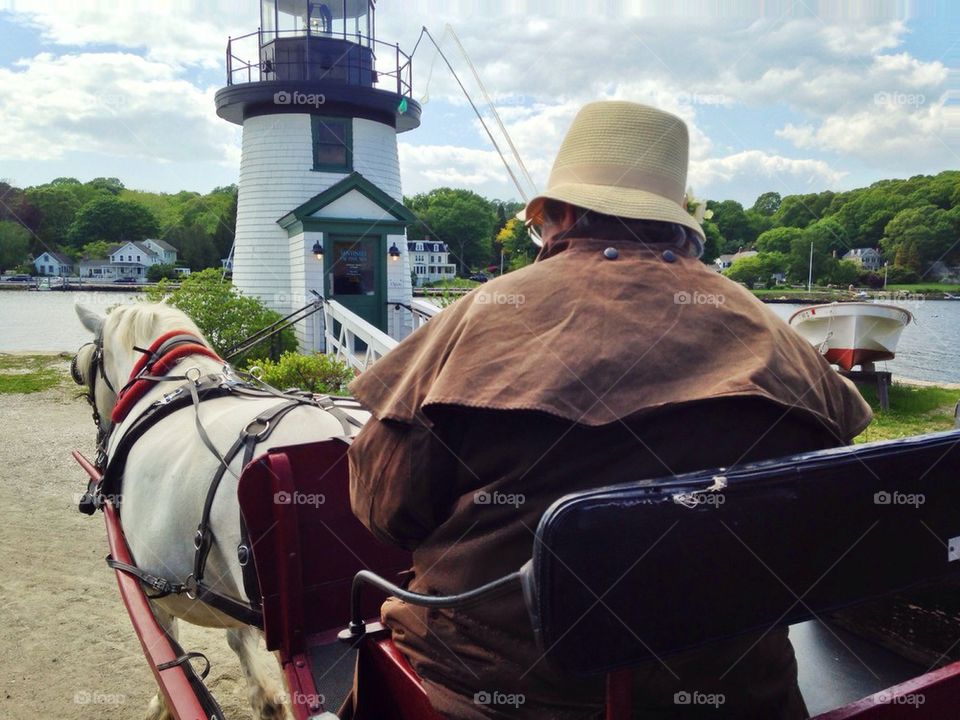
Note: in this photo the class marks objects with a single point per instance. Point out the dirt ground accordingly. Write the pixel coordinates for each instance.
(67, 649)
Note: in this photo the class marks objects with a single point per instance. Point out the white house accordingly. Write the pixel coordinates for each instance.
(430, 261)
(54, 263)
(725, 261)
(162, 249)
(129, 260)
(867, 258)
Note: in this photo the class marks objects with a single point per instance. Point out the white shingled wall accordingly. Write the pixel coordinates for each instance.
(275, 178)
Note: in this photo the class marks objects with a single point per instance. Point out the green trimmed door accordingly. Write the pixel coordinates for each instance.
(356, 276)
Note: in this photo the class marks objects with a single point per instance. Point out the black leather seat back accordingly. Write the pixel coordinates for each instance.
(625, 573)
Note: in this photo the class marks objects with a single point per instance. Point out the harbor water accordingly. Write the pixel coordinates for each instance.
(929, 349)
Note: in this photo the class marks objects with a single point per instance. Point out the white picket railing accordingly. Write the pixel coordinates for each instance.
(343, 328)
(422, 311)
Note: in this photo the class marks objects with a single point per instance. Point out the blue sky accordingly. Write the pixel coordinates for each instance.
(786, 96)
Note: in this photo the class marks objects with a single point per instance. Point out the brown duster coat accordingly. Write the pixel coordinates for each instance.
(575, 372)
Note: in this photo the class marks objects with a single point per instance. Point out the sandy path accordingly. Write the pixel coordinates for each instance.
(67, 649)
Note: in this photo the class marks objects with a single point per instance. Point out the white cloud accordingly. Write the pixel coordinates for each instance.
(784, 173)
(178, 34)
(115, 104)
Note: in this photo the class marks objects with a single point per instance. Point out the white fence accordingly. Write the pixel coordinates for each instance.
(358, 343)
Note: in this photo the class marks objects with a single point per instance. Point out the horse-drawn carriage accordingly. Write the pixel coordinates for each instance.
(618, 576)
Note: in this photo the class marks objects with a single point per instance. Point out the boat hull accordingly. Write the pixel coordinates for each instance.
(852, 334)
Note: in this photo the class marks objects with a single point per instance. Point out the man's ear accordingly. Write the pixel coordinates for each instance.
(91, 321)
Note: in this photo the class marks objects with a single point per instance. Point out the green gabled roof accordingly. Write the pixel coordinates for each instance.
(353, 181)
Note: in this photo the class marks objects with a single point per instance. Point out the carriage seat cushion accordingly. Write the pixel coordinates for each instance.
(624, 573)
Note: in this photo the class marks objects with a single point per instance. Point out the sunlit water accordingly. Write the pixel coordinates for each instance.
(929, 348)
(46, 321)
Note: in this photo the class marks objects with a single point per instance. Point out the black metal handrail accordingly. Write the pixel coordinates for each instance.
(255, 70)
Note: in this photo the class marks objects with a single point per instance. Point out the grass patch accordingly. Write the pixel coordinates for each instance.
(29, 373)
(927, 288)
(913, 411)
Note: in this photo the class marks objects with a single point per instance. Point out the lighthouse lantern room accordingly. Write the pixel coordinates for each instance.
(321, 102)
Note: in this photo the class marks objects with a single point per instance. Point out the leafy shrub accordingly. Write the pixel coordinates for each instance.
(224, 315)
(160, 271)
(898, 275)
(317, 373)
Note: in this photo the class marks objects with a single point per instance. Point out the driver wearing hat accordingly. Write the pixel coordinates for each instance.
(618, 355)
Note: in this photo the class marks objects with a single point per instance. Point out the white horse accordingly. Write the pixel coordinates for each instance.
(169, 471)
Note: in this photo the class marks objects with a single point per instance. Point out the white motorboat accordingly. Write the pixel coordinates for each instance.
(852, 333)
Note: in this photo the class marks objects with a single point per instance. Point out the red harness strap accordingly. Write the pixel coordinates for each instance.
(150, 364)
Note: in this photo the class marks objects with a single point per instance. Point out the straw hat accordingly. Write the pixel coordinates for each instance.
(623, 159)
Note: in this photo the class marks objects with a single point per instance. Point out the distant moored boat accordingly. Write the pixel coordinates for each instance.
(854, 333)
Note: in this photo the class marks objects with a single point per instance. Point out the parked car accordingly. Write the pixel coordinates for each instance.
(479, 277)
(18, 278)
(128, 280)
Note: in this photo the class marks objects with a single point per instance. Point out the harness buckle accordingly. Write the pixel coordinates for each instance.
(170, 397)
(255, 423)
(190, 587)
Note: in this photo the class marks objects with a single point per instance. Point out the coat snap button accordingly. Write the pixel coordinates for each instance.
(669, 256)
(611, 253)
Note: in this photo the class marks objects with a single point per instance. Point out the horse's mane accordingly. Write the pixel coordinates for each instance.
(140, 324)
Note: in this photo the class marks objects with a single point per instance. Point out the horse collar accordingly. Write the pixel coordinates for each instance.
(157, 361)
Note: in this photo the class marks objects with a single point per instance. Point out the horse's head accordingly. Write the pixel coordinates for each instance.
(103, 366)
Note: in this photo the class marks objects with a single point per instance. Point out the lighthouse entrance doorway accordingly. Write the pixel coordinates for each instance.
(356, 275)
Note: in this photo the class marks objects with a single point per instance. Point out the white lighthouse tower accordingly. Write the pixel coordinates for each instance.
(320, 208)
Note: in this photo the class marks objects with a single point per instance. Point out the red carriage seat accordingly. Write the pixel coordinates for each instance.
(307, 546)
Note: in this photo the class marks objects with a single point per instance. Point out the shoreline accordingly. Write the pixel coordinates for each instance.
(898, 379)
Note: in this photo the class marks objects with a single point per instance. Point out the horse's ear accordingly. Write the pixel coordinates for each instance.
(91, 321)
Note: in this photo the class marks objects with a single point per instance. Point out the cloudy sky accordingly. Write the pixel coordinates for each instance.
(792, 96)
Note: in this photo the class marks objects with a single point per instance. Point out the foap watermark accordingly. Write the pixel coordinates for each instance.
(686, 697)
(682, 297)
(113, 101)
(894, 98)
(498, 298)
(312, 701)
(912, 699)
(892, 297)
(898, 498)
(115, 500)
(482, 497)
(495, 697)
(95, 697)
(295, 97)
(298, 498)
(686, 98)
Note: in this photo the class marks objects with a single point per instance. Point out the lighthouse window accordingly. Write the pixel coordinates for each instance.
(332, 144)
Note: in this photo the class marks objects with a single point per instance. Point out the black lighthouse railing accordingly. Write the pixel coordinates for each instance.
(297, 55)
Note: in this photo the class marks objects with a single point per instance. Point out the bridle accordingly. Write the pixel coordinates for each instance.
(94, 369)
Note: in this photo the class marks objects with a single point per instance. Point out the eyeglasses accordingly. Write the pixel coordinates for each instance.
(534, 231)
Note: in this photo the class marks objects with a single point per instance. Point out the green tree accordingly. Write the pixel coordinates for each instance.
(927, 234)
(517, 246)
(58, 206)
(96, 250)
(734, 225)
(112, 219)
(751, 271)
(460, 218)
(767, 203)
(112, 186)
(713, 241)
(778, 239)
(14, 244)
(194, 246)
(224, 315)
